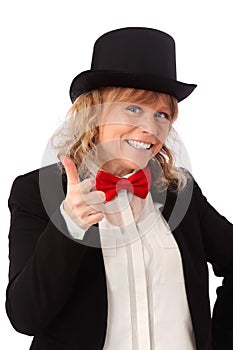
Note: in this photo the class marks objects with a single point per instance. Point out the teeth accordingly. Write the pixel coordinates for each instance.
(137, 144)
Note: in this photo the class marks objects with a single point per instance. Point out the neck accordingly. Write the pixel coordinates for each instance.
(119, 173)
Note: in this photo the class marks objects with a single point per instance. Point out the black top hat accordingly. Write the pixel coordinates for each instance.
(141, 58)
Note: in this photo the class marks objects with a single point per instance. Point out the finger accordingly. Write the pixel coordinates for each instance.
(89, 220)
(71, 170)
(83, 213)
(94, 218)
(92, 208)
(95, 197)
(86, 185)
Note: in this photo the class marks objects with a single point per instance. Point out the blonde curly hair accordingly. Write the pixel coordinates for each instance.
(78, 136)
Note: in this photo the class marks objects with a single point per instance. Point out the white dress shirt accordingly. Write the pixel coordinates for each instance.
(147, 302)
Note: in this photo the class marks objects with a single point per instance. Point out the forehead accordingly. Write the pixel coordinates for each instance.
(145, 98)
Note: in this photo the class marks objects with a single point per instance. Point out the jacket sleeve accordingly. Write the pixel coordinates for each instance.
(217, 234)
(44, 262)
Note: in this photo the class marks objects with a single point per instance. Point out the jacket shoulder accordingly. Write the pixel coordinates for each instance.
(28, 189)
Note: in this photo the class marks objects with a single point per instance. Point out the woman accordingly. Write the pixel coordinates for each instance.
(119, 261)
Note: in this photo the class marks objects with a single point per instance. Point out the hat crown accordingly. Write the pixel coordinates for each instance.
(136, 50)
(133, 57)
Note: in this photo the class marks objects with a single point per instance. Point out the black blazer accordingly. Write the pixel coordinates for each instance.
(57, 286)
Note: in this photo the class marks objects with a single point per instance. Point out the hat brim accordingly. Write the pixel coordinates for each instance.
(90, 80)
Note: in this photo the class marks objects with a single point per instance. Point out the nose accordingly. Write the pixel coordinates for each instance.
(150, 124)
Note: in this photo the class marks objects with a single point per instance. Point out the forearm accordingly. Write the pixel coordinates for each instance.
(42, 287)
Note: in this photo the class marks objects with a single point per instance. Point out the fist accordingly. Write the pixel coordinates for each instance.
(84, 207)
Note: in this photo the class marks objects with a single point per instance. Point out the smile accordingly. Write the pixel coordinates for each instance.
(139, 144)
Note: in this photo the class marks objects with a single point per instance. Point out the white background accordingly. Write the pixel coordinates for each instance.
(44, 44)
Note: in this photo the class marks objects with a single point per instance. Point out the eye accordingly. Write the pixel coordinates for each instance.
(162, 115)
(134, 109)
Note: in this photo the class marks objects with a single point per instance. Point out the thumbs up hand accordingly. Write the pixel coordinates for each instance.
(84, 207)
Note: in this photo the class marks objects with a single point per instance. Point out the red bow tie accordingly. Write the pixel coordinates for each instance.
(138, 183)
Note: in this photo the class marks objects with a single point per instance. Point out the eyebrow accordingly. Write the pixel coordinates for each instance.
(164, 108)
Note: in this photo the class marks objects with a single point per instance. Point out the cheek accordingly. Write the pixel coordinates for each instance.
(157, 148)
(112, 132)
(105, 133)
(162, 133)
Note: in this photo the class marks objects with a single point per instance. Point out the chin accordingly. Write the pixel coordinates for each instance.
(122, 167)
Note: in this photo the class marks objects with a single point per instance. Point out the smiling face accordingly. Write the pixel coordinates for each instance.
(130, 134)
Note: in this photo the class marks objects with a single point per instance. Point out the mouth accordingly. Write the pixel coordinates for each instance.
(139, 145)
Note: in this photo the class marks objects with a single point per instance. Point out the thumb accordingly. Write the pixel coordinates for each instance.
(71, 170)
